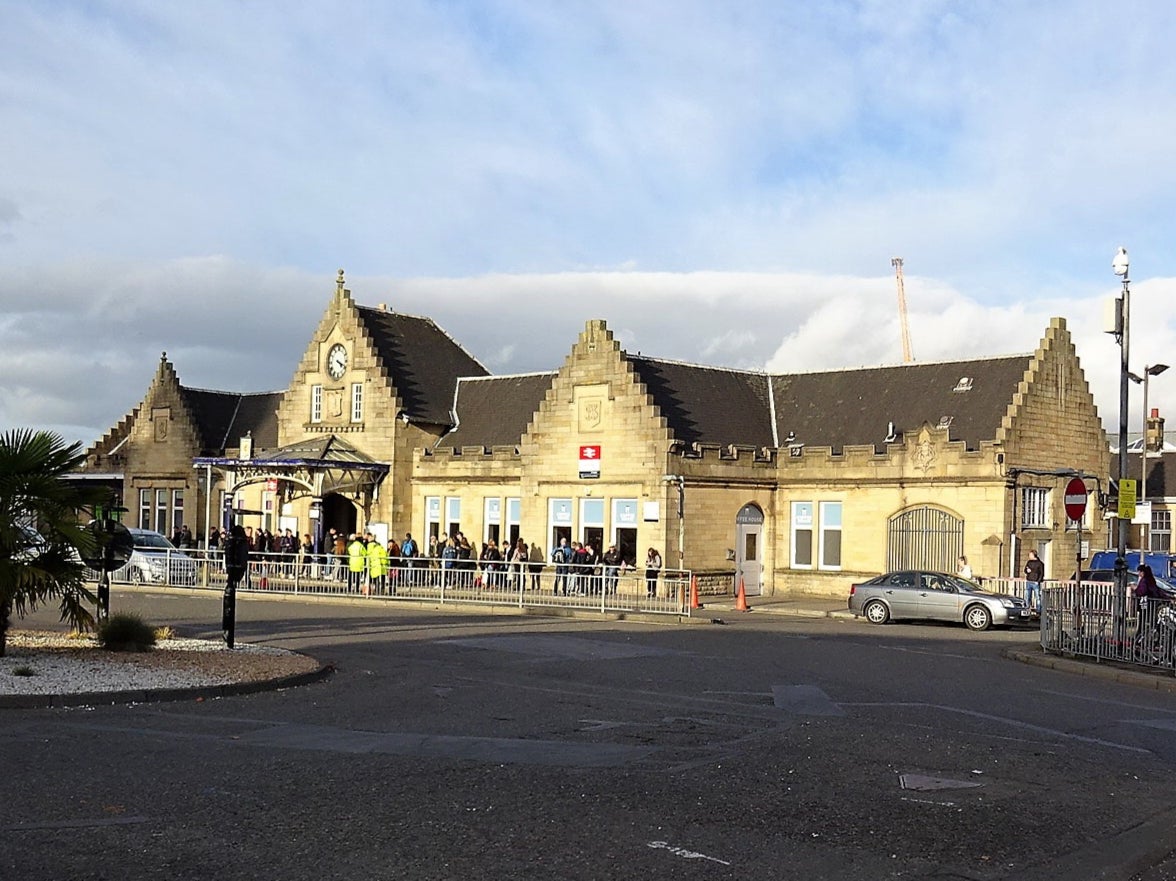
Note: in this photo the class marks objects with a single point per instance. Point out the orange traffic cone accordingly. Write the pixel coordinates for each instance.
(694, 603)
(741, 598)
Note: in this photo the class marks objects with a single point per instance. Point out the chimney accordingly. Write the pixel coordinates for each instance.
(1154, 432)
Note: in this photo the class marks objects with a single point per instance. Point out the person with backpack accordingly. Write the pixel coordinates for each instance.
(408, 553)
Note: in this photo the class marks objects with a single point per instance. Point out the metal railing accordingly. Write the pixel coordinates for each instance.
(1093, 620)
(532, 584)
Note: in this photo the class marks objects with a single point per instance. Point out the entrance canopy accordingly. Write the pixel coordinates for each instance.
(322, 465)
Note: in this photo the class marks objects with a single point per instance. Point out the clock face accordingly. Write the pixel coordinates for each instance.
(337, 361)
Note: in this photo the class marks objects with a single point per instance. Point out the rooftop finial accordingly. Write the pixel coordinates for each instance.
(339, 283)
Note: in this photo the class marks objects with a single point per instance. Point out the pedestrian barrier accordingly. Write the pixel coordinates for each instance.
(1094, 620)
(526, 585)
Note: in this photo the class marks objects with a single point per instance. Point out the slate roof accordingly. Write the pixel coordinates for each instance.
(223, 418)
(423, 360)
(494, 411)
(1161, 473)
(717, 406)
(709, 404)
(844, 407)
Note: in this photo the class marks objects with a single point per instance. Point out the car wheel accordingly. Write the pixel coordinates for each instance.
(876, 612)
(977, 618)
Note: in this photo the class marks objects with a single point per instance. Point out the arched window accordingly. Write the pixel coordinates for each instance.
(924, 538)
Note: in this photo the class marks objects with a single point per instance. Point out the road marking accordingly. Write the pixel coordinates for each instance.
(685, 854)
(805, 700)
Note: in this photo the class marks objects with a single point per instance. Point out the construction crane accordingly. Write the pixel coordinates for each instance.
(907, 357)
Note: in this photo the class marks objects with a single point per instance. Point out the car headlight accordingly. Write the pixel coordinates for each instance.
(1008, 603)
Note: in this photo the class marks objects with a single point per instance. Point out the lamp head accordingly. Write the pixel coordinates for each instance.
(1119, 264)
(1156, 369)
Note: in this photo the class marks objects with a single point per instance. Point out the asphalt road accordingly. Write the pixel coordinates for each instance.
(476, 746)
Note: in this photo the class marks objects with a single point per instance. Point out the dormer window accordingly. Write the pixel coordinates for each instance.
(964, 385)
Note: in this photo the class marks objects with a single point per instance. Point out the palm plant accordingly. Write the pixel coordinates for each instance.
(42, 563)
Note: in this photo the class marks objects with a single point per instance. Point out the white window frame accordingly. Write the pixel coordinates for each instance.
(491, 516)
(825, 530)
(514, 515)
(452, 515)
(1035, 507)
(145, 508)
(587, 522)
(801, 520)
(1161, 524)
(432, 515)
(316, 403)
(177, 511)
(357, 402)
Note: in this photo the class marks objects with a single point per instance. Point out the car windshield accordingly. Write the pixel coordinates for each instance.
(153, 540)
(965, 584)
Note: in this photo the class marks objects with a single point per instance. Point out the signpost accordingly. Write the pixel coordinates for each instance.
(1075, 502)
(1127, 498)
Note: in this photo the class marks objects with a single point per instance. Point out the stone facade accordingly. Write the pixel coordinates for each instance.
(779, 514)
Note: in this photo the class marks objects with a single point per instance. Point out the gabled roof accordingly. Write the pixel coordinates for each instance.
(223, 418)
(843, 407)
(424, 362)
(494, 411)
(709, 404)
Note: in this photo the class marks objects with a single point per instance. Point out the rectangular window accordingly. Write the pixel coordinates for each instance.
(452, 515)
(514, 508)
(492, 519)
(559, 518)
(144, 509)
(177, 508)
(1161, 531)
(161, 511)
(357, 402)
(830, 535)
(316, 403)
(802, 535)
(1035, 508)
(432, 517)
(592, 522)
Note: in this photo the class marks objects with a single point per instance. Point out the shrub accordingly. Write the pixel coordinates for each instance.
(164, 633)
(23, 671)
(126, 632)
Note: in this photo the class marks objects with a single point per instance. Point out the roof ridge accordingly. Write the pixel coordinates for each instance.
(987, 358)
(507, 376)
(652, 360)
(215, 391)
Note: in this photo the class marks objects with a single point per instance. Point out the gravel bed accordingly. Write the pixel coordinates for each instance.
(60, 664)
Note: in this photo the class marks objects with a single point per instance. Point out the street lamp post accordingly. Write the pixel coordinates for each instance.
(1121, 266)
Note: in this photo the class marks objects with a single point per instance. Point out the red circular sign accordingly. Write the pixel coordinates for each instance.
(1075, 499)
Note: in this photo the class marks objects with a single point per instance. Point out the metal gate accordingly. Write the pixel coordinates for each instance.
(924, 538)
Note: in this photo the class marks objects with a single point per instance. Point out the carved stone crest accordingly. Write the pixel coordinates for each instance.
(591, 414)
(925, 454)
(333, 400)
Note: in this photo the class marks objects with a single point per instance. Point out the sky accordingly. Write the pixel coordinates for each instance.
(723, 183)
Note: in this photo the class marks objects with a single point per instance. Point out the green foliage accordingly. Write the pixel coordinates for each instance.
(125, 632)
(23, 671)
(40, 564)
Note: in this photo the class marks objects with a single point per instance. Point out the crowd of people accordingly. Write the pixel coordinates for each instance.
(371, 567)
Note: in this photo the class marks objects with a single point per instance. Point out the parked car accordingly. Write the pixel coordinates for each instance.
(1107, 576)
(155, 560)
(934, 596)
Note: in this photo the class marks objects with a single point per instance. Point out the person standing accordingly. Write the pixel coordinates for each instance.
(562, 558)
(1034, 575)
(409, 553)
(612, 568)
(377, 563)
(236, 566)
(357, 563)
(963, 570)
(518, 561)
(653, 565)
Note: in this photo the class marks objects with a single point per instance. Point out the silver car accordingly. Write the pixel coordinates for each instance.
(156, 560)
(934, 596)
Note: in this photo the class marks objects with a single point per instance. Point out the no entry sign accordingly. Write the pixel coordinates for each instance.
(1075, 499)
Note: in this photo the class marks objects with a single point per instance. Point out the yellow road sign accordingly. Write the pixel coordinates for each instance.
(1127, 496)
